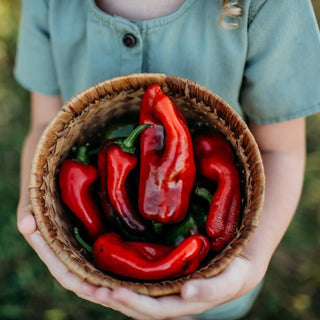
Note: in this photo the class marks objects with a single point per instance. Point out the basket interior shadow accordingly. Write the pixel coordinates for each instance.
(84, 114)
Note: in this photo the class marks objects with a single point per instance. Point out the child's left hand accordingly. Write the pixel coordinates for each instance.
(197, 295)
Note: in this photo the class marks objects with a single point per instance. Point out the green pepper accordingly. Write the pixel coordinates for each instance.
(194, 223)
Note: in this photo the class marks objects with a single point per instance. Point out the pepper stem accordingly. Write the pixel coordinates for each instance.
(127, 144)
(83, 244)
(82, 155)
(204, 193)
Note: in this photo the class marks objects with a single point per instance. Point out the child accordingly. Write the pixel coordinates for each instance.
(266, 67)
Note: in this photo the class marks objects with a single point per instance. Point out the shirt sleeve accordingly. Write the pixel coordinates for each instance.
(282, 74)
(34, 66)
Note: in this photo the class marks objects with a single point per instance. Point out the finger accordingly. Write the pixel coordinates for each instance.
(69, 280)
(157, 308)
(222, 288)
(60, 272)
(104, 297)
(90, 298)
(26, 222)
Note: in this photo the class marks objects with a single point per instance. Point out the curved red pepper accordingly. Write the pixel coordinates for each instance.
(116, 160)
(215, 161)
(167, 170)
(232, 224)
(76, 182)
(109, 211)
(113, 254)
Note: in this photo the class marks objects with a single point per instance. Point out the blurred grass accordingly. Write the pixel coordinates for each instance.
(28, 291)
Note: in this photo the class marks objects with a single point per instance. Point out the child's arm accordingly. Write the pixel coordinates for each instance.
(43, 109)
(283, 149)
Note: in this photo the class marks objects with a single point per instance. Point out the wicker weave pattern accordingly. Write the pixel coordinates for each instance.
(83, 115)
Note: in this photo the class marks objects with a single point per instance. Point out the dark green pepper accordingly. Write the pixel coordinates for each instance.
(194, 223)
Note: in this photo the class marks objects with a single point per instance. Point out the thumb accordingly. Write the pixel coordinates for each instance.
(26, 222)
(220, 289)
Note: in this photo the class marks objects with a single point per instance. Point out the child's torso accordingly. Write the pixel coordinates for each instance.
(108, 38)
(138, 9)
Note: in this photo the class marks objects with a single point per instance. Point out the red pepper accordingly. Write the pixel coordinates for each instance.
(123, 258)
(215, 161)
(232, 224)
(167, 170)
(148, 250)
(116, 160)
(76, 182)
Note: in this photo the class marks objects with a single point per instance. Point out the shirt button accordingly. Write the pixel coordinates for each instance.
(129, 40)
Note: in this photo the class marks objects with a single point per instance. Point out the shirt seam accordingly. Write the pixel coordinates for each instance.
(98, 15)
(34, 87)
(153, 24)
(252, 17)
(163, 21)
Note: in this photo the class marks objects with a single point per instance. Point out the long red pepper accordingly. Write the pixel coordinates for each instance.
(113, 254)
(76, 182)
(167, 169)
(116, 160)
(215, 161)
(109, 211)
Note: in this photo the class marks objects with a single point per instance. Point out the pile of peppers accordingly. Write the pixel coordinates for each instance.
(157, 203)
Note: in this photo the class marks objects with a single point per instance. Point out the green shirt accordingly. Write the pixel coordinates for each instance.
(268, 69)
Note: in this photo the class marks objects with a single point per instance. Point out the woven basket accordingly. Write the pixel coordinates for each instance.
(88, 111)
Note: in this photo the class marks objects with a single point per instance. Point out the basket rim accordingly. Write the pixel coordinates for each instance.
(107, 88)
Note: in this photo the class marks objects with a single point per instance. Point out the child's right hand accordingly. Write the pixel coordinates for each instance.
(27, 226)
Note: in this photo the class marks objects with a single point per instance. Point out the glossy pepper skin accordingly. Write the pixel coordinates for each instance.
(148, 250)
(76, 182)
(108, 209)
(111, 253)
(167, 169)
(215, 161)
(116, 160)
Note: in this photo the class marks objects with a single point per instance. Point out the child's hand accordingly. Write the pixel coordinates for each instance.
(70, 281)
(197, 295)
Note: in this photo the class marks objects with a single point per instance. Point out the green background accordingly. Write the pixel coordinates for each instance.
(28, 291)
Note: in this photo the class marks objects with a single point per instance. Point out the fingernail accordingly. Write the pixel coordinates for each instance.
(27, 225)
